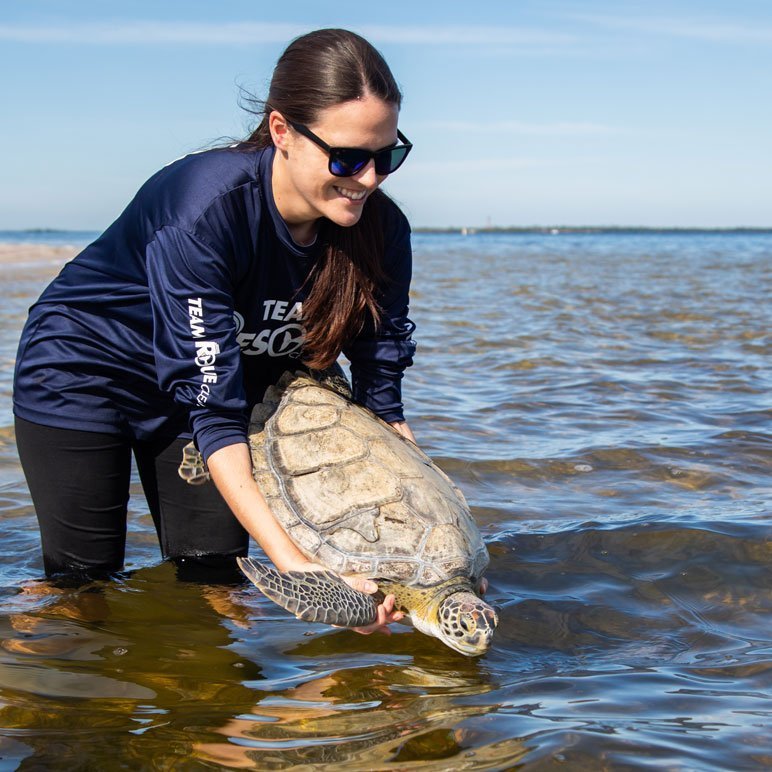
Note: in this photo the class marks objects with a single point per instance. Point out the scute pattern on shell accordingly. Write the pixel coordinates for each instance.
(354, 494)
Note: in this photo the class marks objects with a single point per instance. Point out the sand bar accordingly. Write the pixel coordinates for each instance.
(29, 254)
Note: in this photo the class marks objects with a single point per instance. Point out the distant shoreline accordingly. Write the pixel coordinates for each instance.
(55, 235)
(591, 229)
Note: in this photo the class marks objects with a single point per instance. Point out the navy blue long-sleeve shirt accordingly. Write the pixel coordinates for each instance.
(189, 305)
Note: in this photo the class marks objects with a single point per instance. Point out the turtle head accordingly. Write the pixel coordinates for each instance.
(466, 623)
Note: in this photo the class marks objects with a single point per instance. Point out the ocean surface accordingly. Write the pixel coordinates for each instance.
(603, 400)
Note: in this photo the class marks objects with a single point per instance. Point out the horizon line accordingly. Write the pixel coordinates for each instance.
(489, 229)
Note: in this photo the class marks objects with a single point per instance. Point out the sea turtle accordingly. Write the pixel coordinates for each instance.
(359, 498)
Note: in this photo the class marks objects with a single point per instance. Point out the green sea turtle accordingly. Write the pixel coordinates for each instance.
(360, 499)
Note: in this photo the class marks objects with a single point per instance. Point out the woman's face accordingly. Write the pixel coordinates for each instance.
(303, 187)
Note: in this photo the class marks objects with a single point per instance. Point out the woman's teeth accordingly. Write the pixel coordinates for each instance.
(352, 195)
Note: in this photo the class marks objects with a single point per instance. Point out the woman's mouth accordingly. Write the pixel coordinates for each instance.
(351, 195)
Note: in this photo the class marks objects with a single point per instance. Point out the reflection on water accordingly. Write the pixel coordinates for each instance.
(603, 402)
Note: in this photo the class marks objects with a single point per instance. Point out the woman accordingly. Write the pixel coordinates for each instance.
(175, 320)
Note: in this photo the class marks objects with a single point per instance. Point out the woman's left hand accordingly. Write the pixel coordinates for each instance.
(405, 430)
(386, 612)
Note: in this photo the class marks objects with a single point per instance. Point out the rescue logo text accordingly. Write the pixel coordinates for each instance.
(206, 351)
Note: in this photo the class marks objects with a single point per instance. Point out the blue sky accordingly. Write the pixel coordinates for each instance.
(522, 113)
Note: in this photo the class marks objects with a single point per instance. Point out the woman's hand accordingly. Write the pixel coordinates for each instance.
(403, 428)
(386, 612)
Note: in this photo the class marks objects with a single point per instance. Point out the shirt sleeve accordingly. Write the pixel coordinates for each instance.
(194, 337)
(379, 357)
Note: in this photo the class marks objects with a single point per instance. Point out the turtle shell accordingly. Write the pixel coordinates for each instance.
(354, 494)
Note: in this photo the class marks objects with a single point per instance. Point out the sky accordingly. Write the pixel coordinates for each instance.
(521, 112)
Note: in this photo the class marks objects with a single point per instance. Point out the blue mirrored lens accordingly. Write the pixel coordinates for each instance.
(344, 163)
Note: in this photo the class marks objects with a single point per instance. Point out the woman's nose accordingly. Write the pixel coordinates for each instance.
(368, 177)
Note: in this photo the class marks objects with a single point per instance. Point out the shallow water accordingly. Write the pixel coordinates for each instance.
(603, 401)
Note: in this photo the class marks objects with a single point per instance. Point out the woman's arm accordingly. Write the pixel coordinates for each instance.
(380, 354)
(231, 471)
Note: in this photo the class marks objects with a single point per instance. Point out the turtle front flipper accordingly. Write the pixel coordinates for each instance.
(313, 596)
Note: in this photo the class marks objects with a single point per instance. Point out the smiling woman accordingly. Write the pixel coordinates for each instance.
(228, 267)
(332, 90)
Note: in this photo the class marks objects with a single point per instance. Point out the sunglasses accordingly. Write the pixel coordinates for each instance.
(347, 161)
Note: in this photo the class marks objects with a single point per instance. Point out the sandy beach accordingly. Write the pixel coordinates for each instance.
(35, 254)
(32, 262)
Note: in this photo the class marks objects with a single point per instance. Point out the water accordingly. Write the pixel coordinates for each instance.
(603, 401)
(48, 237)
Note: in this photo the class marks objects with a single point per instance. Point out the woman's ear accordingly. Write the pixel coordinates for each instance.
(279, 128)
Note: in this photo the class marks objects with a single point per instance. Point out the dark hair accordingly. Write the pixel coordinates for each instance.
(320, 70)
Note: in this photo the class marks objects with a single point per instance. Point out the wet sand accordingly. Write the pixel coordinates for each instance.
(20, 262)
